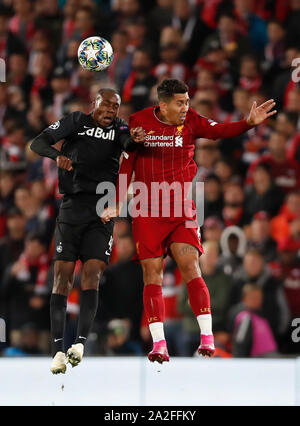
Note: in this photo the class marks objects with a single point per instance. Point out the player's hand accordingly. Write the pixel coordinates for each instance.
(138, 134)
(111, 212)
(64, 163)
(258, 114)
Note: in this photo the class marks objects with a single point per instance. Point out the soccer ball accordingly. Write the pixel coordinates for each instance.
(95, 54)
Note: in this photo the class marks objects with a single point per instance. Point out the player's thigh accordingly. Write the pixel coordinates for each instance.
(149, 235)
(97, 241)
(184, 233)
(152, 270)
(187, 259)
(67, 239)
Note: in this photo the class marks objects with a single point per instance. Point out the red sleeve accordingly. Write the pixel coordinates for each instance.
(125, 175)
(133, 122)
(210, 129)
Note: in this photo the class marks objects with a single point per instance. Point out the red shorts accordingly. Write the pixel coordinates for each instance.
(153, 236)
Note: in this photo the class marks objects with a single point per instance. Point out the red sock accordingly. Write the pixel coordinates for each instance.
(199, 296)
(154, 304)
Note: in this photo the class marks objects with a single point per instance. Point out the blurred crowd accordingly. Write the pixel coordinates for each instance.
(230, 53)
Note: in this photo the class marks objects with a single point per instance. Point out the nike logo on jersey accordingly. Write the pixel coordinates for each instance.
(57, 340)
(98, 133)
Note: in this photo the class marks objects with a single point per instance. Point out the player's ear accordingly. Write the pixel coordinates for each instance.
(162, 106)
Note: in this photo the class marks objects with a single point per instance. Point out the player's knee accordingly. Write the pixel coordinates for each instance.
(91, 275)
(63, 282)
(152, 275)
(152, 278)
(190, 270)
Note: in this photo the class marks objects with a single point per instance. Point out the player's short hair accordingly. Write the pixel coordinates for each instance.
(169, 87)
(107, 90)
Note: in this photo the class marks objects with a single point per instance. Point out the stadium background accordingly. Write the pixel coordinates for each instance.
(230, 53)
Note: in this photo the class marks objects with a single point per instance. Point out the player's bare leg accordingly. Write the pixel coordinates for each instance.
(91, 273)
(154, 307)
(63, 283)
(187, 259)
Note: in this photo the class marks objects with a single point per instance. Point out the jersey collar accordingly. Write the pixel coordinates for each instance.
(155, 109)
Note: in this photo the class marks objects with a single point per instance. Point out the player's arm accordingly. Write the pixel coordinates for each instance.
(129, 139)
(210, 129)
(127, 167)
(137, 134)
(123, 182)
(42, 144)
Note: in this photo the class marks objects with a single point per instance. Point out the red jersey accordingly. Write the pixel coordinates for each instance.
(167, 153)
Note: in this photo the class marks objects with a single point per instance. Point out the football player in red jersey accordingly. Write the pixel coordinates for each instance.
(166, 155)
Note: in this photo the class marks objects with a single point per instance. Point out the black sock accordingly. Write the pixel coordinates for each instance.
(88, 310)
(58, 309)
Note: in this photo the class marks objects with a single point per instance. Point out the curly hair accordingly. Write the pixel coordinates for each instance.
(167, 89)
